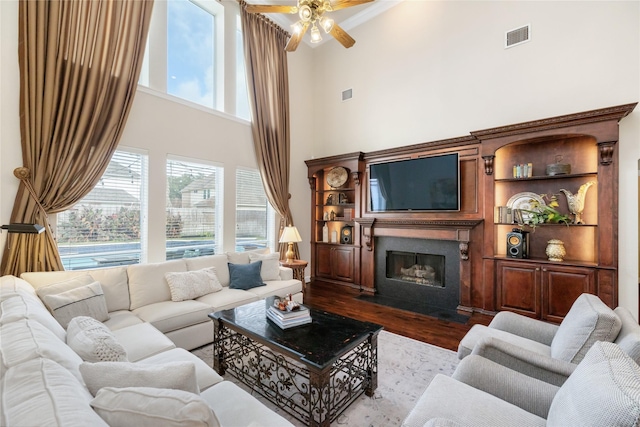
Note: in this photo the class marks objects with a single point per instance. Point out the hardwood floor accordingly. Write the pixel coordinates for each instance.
(341, 300)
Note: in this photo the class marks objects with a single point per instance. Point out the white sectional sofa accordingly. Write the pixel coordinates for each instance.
(140, 293)
(45, 370)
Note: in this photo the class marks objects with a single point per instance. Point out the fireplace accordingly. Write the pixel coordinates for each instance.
(421, 275)
(418, 268)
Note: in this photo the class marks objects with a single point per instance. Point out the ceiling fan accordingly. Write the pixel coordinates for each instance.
(312, 13)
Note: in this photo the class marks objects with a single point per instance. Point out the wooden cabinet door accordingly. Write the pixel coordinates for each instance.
(560, 288)
(519, 288)
(323, 261)
(343, 263)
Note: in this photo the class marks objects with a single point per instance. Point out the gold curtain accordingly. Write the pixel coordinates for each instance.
(79, 67)
(268, 81)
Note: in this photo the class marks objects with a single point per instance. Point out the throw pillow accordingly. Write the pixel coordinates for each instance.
(243, 257)
(270, 265)
(186, 285)
(245, 276)
(86, 300)
(59, 287)
(146, 406)
(93, 341)
(174, 375)
(589, 320)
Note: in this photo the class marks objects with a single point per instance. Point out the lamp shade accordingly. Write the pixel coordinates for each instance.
(290, 234)
(23, 228)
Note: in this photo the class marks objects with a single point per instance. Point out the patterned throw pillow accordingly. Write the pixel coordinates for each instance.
(93, 341)
(85, 300)
(186, 285)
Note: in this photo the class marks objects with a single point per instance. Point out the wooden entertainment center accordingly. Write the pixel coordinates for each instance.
(344, 229)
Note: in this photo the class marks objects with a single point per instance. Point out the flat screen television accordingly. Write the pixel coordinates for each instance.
(423, 184)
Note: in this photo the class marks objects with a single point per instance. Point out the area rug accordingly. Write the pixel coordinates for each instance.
(405, 369)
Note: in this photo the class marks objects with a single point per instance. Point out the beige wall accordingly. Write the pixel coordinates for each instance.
(422, 71)
(428, 70)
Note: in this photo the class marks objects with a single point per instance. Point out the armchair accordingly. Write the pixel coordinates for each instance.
(604, 389)
(589, 320)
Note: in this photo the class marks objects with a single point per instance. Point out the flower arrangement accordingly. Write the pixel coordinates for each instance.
(544, 214)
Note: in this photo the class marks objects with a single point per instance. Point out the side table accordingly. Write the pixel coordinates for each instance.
(298, 266)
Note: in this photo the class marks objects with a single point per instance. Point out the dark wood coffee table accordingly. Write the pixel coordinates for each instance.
(312, 372)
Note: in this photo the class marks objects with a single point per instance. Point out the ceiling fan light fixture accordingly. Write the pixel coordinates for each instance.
(315, 34)
(326, 23)
(297, 27)
(305, 13)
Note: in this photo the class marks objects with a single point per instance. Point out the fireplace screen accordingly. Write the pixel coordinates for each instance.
(423, 269)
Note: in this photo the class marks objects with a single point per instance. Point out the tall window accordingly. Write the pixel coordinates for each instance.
(190, 52)
(242, 96)
(194, 208)
(254, 216)
(108, 226)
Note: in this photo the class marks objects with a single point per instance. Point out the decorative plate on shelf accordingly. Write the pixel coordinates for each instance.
(337, 176)
(525, 201)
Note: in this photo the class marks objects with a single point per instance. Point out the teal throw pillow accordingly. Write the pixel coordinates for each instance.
(245, 276)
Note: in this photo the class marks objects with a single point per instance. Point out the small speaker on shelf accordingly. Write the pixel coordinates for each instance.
(346, 235)
(518, 243)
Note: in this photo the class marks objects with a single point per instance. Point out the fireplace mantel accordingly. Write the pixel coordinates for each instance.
(441, 229)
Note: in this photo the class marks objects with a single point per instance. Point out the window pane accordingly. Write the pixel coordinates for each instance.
(242, 97)
(190, 52)
(194, 209)
(105, 228)
(254, 216)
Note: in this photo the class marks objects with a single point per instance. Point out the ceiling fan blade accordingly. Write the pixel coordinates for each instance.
(270, 8)
(296, 38)
(341, 35)
(341, 4)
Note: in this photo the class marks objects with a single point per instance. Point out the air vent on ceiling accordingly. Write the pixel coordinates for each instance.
(347, 94)
(517, 36)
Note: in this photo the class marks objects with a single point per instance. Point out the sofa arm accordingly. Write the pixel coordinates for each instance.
(286, 273)
(528, 393)
(524, 326)
(532, 364)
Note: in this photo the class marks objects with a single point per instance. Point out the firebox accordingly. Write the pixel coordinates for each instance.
(418, 268)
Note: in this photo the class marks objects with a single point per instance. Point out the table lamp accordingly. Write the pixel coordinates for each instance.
(290, 235)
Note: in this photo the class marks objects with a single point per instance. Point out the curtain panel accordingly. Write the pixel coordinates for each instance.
(79, 67)
(268, 87)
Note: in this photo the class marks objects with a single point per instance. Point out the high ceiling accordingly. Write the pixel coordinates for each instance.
(347, 18)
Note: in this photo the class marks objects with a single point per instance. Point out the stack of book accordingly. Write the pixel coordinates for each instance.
(289, 319)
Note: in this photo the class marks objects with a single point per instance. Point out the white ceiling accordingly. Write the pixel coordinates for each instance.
(347, 18)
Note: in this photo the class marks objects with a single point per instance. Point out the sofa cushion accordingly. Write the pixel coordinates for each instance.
(114, 282)
(24, 306)
(235, 407)
(217, 261)
(147, 284)
(12, 285)
(604, 390)
(245, 276)
(188, 285)
(280, 288)
(121, 319)
(168, 315)
(24, 340)
(146, 406)
(629, 336)
(41, 392)
(228, 298)
(270, 269)
(142, 340)
(82, 301)
(589, 320)
(205, 376)
(175, 375)
(93, 341)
